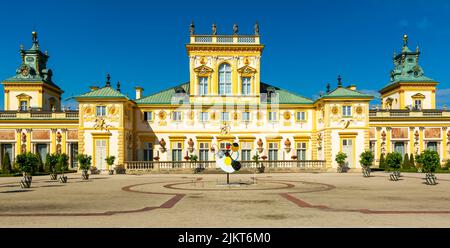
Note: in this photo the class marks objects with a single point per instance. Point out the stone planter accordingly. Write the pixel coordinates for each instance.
(111, 172)
(430, 179)
(53, 176)
(26, 182)
(63, 179)
(393, 176)
(366, 171)
(85, 175)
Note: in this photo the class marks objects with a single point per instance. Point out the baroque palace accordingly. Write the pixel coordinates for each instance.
(224, 101)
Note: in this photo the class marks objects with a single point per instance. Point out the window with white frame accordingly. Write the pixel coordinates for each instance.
(246, 149)
(273, 116)
(148, 116)
(148, 151)
(347, 110)
(23, 105)
(225, 116)
(176, 116)
(101, 110)
(203, 151)
(273, 151)
(203, 85)
(246, 86)
(203, 116)
(301, 150)
(224, 79)
(246, 116)
(418, 104)
(301, 116)
(177, 150)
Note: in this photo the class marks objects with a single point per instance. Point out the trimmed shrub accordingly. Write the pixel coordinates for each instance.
(366, 158)
(6, 164)
(382, 163)
(406, 164)
(429, 160)
(393, 161)
(27, 163)
(411, 161)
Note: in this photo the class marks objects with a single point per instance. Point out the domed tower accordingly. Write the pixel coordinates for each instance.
(408, 88)
(32, 88)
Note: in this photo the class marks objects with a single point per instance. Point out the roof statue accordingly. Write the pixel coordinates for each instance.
(235, 29)
(192, 28)
(108, 83)
(214, 29)
(256, 28)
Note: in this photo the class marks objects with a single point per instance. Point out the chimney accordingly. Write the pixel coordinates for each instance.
(352, 87)
(93, 88)
(139, 91)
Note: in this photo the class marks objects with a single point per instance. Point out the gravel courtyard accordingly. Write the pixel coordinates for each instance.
(204, 200)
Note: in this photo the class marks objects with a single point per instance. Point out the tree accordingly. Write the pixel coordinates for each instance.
(110, 161)
(366, 158)
(340, 159)
(63, 163)
(405, 164)
(84, 161)
(412, 164)
(6, 164)
(40, 166)
(382, 163)
(429, 160)
(27, 163)
(393, 161)
(51, 161)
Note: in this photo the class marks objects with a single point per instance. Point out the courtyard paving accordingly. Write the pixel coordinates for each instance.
(204, 200)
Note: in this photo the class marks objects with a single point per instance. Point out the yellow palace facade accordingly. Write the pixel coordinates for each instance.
(224, 101)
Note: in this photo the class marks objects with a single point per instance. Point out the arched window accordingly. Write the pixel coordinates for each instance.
(224, 79)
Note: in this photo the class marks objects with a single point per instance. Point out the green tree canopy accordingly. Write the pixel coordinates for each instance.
(27, 162)
(366, 158)
(393, 161)
(429, 159)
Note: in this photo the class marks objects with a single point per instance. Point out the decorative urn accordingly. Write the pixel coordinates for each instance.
(162, 143)
(191, 145)
(287, 145)
(260, 145)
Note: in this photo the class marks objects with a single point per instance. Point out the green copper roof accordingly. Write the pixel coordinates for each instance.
(162, 97)
(105, 92)
(285, 96)
(166, 96)
(342, 92)
(406, 67)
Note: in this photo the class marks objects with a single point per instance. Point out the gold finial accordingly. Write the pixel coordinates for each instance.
(405, 40)
(21, 47)
(46, 53)
(417, 48)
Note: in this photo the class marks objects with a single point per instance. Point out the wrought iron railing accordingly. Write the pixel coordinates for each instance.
(176, 165)
(67, 114)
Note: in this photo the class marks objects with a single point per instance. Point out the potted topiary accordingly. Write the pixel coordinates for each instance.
(393, 162)
(27, 163)
(6, 164)
(366, 160)
(430, 161)
(259, 165)
(50, 163)
(340, 159)
(120, 169)
(110, 161)
(63, 165)
(84, 162)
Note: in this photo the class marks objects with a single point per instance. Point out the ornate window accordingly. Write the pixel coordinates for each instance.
(148, 151)
(301, 116)
(176, 116)
(203, 85)
(245, 116)
(225, 116)
(273, 116)
(101, 110)
(203, 116)
(204, 150)
(148, 116)
(273, 151)
(224, 79)
(417, 104)
(246, 148)
(23, 105)
(301, 151)
(177, 149)
(347, 110)
(246, 86)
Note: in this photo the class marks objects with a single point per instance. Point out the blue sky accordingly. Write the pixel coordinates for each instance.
(308, 43)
